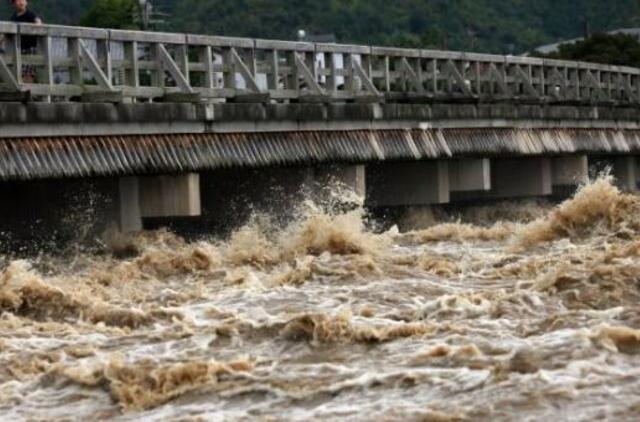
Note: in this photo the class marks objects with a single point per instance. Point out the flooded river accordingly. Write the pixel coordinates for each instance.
(533, 317)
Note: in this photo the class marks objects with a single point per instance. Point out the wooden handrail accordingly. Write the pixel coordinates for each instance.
(76, 62)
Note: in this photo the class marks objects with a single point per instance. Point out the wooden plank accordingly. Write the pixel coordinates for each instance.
(284, 45)
(395, 52)
(8, 28)
(216, 41)
(62, 31)
(342, 48)
(147, 37)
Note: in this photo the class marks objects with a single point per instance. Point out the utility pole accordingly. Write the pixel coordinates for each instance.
(150, 16)
(587, 29)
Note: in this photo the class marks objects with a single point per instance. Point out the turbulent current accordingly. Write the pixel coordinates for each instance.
(520, 313)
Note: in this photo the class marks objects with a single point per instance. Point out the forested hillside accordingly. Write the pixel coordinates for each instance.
(501, 26)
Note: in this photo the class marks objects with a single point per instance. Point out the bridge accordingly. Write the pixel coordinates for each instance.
(160, 121)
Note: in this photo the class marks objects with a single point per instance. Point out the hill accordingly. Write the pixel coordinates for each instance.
(499, 26)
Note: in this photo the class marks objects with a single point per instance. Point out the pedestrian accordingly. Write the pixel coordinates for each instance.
(28, 44)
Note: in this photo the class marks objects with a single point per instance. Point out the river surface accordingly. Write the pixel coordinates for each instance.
(534, 317)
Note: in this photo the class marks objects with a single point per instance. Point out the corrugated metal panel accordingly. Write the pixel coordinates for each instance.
(84, 156)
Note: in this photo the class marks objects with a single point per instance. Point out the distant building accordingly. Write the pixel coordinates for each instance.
(552, 48)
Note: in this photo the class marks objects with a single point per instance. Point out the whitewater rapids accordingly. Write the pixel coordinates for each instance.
(532, 317)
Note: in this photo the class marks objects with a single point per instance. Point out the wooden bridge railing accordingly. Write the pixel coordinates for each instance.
(73, 62)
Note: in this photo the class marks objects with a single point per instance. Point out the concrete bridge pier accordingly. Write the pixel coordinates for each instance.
(353, 177)
(568, 173)
(521, 177)
(408, 183)
(624, 170)
(157, 197)
(170, 196)
(129, 215)
(469, 175)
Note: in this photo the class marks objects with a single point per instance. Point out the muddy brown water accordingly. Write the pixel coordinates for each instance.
(528, 319)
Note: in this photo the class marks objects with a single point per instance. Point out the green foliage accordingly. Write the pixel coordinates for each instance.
(115, 14)
(498, 26)
(618, 49)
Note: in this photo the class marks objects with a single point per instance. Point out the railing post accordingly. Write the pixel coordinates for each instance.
(349, 78)
(182, 60)
(477, 87)
(273, 74)
(386, 72)
(434, 76)
(310, 61)
(206, 58)
(132, 70)
(157, 75)
(45, 75)
(103, 50)
(292, 77)
(229, 68)
(539, 75)
(332, 77)
(75, 69)
(15, 51)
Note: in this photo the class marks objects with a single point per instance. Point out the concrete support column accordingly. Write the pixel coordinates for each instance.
(170, 196)
(129, 215)
(352, 176)
(522, 177)
(624, 171)
(568, 173)
(408, 183)
(470, 175)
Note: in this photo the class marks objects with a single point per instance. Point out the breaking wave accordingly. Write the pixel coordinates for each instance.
(489, 314)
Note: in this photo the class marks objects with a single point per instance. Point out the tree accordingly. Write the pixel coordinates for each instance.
(114, 14)
(616, 49)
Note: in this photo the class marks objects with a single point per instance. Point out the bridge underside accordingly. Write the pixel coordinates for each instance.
(148, 162)
(91, 156)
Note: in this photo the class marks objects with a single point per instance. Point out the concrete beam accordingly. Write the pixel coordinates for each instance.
(129, 215)
(570, 170)
(170, 196)
(95, 119)
(524, 177)
(470, 175)
(408, 183)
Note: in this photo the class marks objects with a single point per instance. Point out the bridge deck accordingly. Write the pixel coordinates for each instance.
(113, 65)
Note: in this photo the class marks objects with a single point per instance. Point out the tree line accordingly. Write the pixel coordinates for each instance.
(495, 26)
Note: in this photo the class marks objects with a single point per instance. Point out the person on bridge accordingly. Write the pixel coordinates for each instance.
(28, 45)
